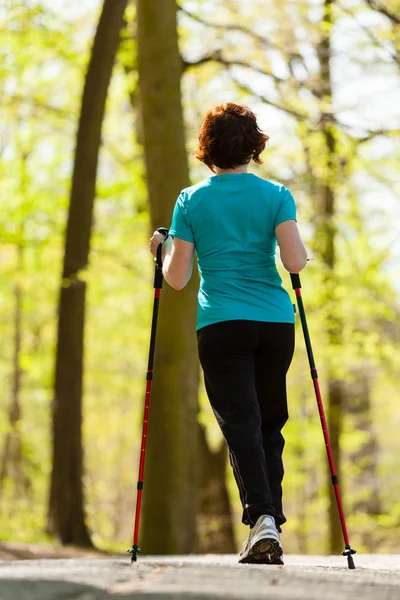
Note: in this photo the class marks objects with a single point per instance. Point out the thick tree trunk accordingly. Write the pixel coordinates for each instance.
(170, 498)
(66, 518)
(326, 237)
(214, 517)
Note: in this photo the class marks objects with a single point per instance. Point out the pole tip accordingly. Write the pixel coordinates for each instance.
(348, 553)
(350, 562)
(134, 550)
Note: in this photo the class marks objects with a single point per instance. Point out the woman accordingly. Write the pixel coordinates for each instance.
(245, 323)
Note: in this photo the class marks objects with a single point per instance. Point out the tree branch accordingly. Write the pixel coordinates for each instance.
(265, 100)
(216, 56)
(369, 135)
(230, 27)
(373, 134)
(290, 57)
(383, 10)
(393, 55)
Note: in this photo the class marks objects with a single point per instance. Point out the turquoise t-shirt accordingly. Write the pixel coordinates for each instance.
(231, 220)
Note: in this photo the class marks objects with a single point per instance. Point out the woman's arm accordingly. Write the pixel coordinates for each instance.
(293, 252)
(177, 257)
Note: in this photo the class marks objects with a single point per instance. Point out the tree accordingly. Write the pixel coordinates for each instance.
(214, 518)
(325, 246)
(170, 502)
(66, 504)
(11, 458)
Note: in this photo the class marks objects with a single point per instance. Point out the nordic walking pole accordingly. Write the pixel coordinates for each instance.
(158, 281)
(348, 551)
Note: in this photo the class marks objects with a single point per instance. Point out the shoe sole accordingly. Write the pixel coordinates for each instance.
(265, 551)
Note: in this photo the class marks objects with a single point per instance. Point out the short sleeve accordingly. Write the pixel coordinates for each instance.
(286, 207)
(180, 226)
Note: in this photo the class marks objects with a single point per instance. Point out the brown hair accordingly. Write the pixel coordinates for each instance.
(229, 137)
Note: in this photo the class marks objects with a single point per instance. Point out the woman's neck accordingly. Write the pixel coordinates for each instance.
(235, 171)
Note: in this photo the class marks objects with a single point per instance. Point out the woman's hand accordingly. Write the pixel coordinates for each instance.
(155, 241)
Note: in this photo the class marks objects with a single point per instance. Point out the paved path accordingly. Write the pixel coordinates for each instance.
(201, 578)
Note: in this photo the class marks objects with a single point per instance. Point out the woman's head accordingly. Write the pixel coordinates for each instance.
(229, 137)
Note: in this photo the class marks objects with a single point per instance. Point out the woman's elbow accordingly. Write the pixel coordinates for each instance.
(295, 265)
(177, 275)
(177, 285)
(176, 282)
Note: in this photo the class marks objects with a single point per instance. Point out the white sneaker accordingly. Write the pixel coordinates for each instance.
(263, 546)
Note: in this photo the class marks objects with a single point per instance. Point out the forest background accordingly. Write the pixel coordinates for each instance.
(323, 78)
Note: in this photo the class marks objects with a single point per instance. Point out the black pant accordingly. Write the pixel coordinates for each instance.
(245, 365)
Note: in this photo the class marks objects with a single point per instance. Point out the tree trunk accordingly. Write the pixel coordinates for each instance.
(365, 495)
(170, 498)
(11, 459)
(214, 517)
(12, 455)
(325, 236)
(66, 518)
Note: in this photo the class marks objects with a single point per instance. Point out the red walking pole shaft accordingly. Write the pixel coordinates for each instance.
(348, 552)
(158, 281)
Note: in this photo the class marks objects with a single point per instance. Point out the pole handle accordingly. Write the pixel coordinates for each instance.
(164, 231)
(295, 278)
(158, 275)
